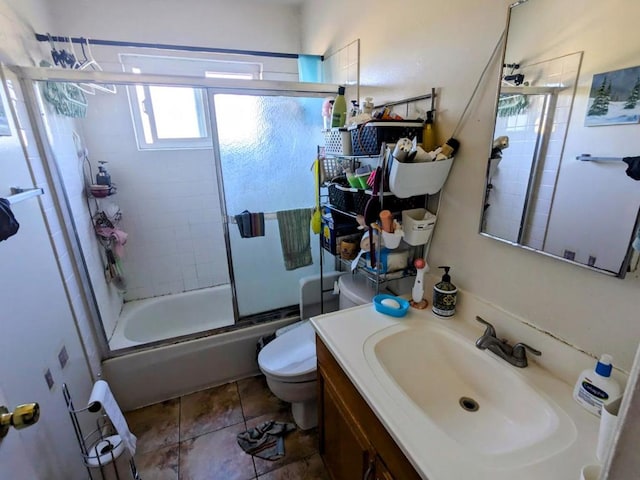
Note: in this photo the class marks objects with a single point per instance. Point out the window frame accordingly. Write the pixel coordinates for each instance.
(141, 104)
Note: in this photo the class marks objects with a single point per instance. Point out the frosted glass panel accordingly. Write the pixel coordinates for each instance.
(267, 146)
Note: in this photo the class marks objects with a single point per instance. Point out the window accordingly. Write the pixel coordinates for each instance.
(166, 117)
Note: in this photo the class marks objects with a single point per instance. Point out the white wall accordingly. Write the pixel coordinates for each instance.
(446, 45)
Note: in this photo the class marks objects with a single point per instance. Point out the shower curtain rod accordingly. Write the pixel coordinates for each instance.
(163, 46)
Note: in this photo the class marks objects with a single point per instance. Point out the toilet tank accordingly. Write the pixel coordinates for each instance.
(355, 289)
(310, 294)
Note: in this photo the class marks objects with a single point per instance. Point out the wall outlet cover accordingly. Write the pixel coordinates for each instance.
(63, 357)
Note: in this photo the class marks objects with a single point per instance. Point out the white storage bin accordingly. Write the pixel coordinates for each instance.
(417, 225)
(409, 179)
(337, 141)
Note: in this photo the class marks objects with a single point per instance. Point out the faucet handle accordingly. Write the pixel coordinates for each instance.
(519, 349)
(490, 331)
(520, 355)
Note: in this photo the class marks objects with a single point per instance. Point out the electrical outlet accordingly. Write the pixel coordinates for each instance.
(49, 379)
(592, 260)
(63, 357)
(569, 255)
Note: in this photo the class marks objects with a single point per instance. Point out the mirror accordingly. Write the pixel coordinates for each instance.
(565, 93)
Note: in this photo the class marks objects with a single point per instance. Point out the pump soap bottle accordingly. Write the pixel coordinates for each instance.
(596, 388)
(103, 177)
(339, 110)
(444, 296)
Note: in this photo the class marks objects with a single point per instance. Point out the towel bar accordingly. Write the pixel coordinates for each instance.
(20, 194)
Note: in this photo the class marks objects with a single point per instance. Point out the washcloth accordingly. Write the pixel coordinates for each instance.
(266, 440)
(633, 170)
(295, 237)
(250, 224)
(118, 236)
(8, 224)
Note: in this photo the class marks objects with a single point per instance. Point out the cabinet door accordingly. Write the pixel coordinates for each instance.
(381, 471)
(344, 447)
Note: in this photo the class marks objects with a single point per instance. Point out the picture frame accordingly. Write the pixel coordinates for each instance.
(614, 98)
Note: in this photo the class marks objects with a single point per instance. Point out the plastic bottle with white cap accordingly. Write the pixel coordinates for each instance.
(596, 388)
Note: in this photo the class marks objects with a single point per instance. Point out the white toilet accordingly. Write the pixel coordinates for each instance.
(289, 361)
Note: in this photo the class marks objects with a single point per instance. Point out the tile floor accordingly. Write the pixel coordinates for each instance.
(194, 437)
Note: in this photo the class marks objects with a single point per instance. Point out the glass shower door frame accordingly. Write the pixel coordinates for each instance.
(212, 86)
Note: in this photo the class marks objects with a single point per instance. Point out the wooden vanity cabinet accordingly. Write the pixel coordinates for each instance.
(353, 442)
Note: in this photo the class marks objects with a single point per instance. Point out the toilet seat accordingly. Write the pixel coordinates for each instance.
(291, 357)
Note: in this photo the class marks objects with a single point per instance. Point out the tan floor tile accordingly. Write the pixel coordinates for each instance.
(310, 468)
(209, 410)
(298, 444)
(257, 399)
(215, 456)
(155, 426)
(161, 464)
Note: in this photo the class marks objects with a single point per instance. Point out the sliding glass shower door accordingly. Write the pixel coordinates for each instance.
(267, 145)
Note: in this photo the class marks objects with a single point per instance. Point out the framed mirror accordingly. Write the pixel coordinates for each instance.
(568, 112)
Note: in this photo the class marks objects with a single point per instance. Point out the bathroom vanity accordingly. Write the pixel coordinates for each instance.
(353, 442)
(414, 398)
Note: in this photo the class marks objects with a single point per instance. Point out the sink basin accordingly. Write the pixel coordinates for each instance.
(476, 399)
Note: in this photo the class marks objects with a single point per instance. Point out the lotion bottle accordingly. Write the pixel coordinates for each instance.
(596, 388)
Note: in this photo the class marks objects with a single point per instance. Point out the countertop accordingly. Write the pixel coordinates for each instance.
(434, 454)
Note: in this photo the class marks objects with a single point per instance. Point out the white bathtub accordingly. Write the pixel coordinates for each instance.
(156, 374)
(170, 316)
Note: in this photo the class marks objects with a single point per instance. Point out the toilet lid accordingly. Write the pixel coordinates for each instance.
(291, 354)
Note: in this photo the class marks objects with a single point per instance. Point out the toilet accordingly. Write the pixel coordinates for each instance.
(289, 362)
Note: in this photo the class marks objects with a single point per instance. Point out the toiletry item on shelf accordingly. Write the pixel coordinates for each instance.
(339, 110)
(103, 177)
(429, 133)
(444, 296)
(367, 106)
(386, 218)
(327, 106)
(417, 292)
(448, 150)
(596, 388)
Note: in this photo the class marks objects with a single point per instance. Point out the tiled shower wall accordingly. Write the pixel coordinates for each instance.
(512, 175)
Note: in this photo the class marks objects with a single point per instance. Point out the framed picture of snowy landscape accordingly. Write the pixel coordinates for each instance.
(614, 98)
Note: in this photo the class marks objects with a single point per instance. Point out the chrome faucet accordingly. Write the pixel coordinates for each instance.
(516, 355)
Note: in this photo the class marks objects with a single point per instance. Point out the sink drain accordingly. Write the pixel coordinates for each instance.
(469, 404)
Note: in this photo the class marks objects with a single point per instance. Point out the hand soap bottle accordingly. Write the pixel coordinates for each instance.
(444, 296)
(596, 388)
(103, 177)
(339, 110)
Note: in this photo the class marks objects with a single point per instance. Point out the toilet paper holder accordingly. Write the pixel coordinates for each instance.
(101, 448)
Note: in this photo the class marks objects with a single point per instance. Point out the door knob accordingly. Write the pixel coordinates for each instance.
(23, 416)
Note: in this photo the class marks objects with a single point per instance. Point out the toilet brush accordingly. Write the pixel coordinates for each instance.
(417, 292)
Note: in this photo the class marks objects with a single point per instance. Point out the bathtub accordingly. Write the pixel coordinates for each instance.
(163, 372)
(170, 316)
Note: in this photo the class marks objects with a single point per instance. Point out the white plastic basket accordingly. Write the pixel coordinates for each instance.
(417, 225)
(337, 141)
(409, 179)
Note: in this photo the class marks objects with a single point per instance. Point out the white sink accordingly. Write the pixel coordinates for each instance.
(478, 400)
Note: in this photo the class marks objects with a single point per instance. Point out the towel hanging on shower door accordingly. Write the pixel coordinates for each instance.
(295, 237)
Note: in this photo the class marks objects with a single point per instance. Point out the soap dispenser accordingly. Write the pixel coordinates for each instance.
(103, 177)
(444, 296)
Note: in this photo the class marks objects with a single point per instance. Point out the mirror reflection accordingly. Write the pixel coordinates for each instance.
(565, 119)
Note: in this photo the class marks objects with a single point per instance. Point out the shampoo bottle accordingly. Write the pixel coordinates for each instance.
(429, 137)
(596, 388)
(339, 110)
(444, 296)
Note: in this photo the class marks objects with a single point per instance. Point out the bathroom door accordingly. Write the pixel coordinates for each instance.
(266, 147)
